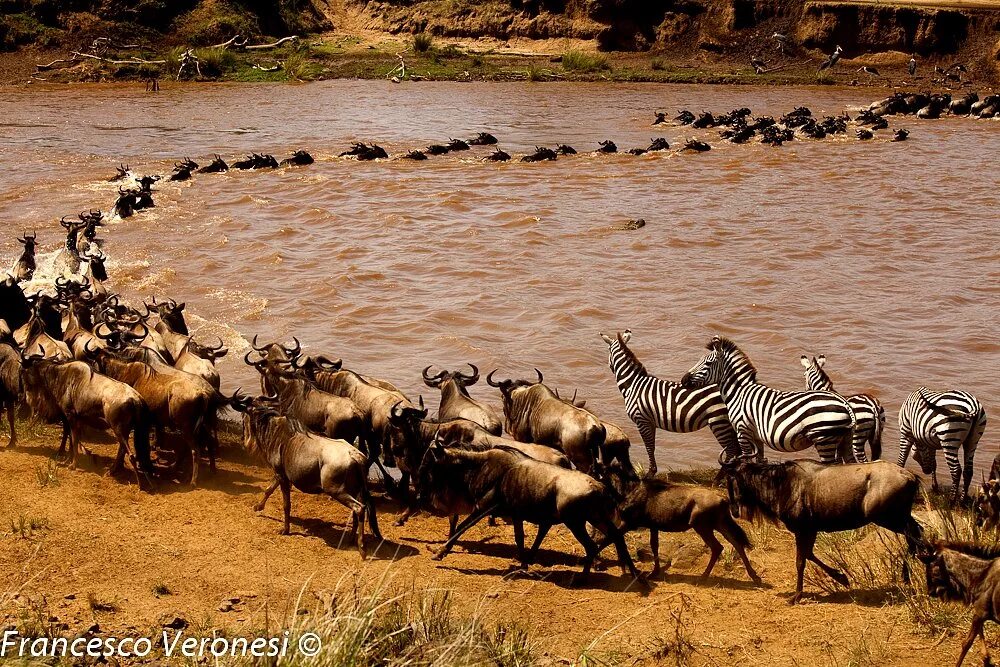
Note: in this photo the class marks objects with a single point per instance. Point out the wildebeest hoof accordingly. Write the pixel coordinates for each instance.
(795, 599)
(438, 556)
(841, 579)
(259, 507)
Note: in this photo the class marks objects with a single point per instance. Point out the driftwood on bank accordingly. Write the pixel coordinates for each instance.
(130, 61)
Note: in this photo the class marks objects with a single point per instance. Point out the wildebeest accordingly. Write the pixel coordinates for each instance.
(216, 166)
(534, 413)
(456, 402)
(564, 149)
(311, 463)
(541, 154)
(968, 573)
(10, 378)
(660, 505)
(96, 272)
(607, 146)
(199, 360)
(15, 309)
(178, 400)
(24, 267)
(299, 158)
(498, 156)
(808, 498)
(332, 416)
(483, 139)
(43, 333)
(71, 393)
(457, 145)
(696, 146)
(365, 152)
(122, 172)
(68, 259)
(415, 155)
(172, 329)
(505, 482)
(87, 241)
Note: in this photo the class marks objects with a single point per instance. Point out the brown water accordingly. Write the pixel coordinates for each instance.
(883, 256)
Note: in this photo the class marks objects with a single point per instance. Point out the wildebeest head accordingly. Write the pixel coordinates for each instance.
(96, 261)
(208, 352)
(170, 313)
(754, 487)
(508, 387)
(404, 433)
(952, 568)
(29, 242)
(460, 379)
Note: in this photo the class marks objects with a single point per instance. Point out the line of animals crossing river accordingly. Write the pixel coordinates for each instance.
(77, 354)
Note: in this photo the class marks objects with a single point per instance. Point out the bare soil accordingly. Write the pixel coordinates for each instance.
(82, 547)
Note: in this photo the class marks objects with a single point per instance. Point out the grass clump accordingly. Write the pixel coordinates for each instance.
(96, 604)
(657, 65)
(160, 589)
(359, 625)
(215, 62)
(580, 61)
(423, 42)
(48, 474)
(26, 526)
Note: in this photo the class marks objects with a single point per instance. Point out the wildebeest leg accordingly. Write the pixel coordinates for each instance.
(579, 531)
(259, 507)
(519, 539)
(833, 572)
(707, 535)
(120, 454)
(543, 529)
(975, 630)
(65, 437)
(452, 524)
(405, 516)
(74, 445)
(648, 433)
(737, 539)
(195, 461)
(10, 419)
(654, 546)
(469, 522)
(803, 549)
(357, 517)
(286, 497)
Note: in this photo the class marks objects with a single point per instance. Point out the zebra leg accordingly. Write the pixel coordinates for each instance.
(955, 468)
(726, 435)
(858, 439)
(648, 433)
(905, 445)
(830, 450)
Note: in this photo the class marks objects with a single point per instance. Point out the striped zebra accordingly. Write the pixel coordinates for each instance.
(653, 403)
(867, 410)
(941, 420)
(787, 421)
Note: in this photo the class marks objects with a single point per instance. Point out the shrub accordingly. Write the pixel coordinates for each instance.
(580, 61)
(215, 62)
(422, 42)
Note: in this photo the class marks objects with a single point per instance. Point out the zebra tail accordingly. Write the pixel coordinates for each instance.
(942, 410)
(877, 433)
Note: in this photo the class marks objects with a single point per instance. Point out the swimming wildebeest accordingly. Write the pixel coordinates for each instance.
(218, 165)
(809, 497)
(660, 505)
(534, 413)
(505, 482)
(24, 267)
(72, 394)
(456, 402)
(311, 463)
(498, 156)
(10, 378)
(541, 154)
(298, 159)
(483, 139)
(966, 573)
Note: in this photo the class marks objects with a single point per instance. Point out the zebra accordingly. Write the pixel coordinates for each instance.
(787, 421)
(941, 420)
(868, 410)
(654, 403)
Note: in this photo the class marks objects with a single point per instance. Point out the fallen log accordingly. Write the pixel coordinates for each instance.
(272, 45)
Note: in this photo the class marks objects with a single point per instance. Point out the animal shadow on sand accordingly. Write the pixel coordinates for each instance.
(338, 536)
(712, 581)
(570, 578)
(868, 597)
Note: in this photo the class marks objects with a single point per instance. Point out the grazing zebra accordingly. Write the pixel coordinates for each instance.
(653, 403)
(788, 421)
(941, 420)
(867, 410)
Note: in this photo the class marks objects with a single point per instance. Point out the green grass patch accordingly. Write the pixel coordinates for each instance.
(20, 29)
(581, 61)
(422, 42)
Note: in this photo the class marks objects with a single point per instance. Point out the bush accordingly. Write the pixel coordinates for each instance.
(215, 62)
(422, 42)
(214, 23)
(579, 61)
(19, 29)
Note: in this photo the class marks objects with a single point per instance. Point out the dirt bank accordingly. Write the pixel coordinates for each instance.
(678, 40)
(78, 548)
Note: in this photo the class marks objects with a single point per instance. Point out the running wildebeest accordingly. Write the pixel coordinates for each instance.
(968, 573)
(311, 463)
(809, 498)
(456, 402)
(10, 378)
(534, 413)
(660, 505)
(15, 309)
(24, 267)
(505, 482)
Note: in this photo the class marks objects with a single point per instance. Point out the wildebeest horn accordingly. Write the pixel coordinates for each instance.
(262, 350)
(327, 363)
(433, 380)
(293, 352)
(474, 378)
(97, 331)
(540, 378)
(725, 460)
(86, 347)
(489, 378)
(62, 282)
(256, 364)
(134, 337)
(396, 412)
(573, 400)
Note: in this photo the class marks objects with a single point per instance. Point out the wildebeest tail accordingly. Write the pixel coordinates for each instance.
(596, 433)
(366, 498)
(734, 532)
(140, 438)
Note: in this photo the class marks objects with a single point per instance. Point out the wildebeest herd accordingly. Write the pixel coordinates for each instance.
(78, 355)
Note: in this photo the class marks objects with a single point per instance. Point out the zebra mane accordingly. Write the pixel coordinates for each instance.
(982, 551)
(630, 356)
(724, 345)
